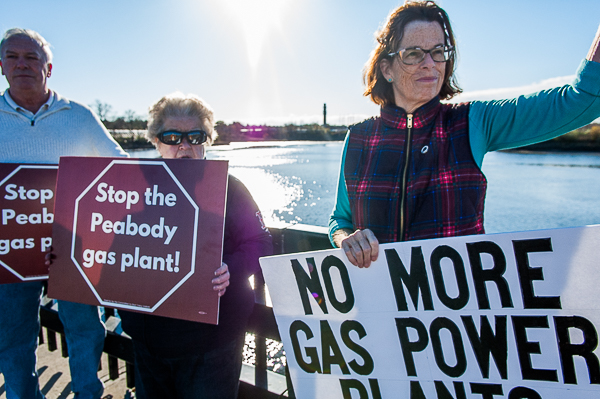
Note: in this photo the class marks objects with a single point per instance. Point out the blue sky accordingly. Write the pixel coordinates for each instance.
(278, 61)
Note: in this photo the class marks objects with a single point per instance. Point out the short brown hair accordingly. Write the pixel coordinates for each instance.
(388, 41)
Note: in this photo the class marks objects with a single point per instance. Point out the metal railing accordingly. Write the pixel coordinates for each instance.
(290, 239)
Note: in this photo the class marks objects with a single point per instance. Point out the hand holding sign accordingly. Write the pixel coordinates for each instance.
(361, 247)
(221, 282)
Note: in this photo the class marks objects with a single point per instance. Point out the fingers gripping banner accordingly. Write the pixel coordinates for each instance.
(491, 316)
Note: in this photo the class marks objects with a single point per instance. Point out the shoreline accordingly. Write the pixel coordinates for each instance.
(550, 146)
(547, 146)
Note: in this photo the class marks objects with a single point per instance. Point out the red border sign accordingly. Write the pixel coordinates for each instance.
(140, 235)
(26, 216)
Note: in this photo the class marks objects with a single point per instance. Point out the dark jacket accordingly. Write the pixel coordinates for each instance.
(413, 176)
(245, 240)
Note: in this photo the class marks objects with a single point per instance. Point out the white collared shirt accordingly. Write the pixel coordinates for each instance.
(28, 114)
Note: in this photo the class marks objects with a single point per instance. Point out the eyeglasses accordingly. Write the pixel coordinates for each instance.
(415, 55)
(173, 137)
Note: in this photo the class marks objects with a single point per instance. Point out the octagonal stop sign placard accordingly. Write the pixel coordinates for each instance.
(141, 235)
(26, 216)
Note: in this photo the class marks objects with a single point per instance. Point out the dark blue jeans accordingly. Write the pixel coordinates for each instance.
(214, 374)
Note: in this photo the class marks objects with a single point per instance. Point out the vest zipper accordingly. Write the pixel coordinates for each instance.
(409, 126)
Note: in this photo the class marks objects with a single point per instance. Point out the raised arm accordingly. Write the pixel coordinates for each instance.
(528, 119)
(594, 53)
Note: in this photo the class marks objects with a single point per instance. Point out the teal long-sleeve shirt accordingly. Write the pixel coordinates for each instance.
(503, 124)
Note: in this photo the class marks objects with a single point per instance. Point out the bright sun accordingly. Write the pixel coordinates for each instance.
(258, 19)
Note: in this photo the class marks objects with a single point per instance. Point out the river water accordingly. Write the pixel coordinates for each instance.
(295, 182)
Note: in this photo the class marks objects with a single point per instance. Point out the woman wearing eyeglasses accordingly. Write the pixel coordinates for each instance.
(183, 359)
(414, 171)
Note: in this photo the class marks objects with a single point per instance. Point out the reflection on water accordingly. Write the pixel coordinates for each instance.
(277, 196)
(538, 191)
(292, 182)
(295, 182)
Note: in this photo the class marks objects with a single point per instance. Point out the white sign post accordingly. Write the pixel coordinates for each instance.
(511, 315)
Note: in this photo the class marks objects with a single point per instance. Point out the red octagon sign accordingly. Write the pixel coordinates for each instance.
(26, 203)
(133, 239)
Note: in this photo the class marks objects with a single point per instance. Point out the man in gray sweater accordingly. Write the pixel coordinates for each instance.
(38, 126)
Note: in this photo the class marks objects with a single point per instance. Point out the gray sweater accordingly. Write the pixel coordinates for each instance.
(62, 127)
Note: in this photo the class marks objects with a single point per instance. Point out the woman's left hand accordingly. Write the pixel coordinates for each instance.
(49, 257)
(221, 282)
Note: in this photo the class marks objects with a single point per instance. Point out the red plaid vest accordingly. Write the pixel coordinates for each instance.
(425, 187)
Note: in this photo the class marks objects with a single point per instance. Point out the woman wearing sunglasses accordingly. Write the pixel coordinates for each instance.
(183, 359)
(414, 171)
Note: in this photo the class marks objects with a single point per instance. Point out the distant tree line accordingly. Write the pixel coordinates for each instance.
(586, 138)
(128, 121)
(129, 131)
(313, 132)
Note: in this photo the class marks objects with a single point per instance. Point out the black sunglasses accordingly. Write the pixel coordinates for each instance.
(173, 137)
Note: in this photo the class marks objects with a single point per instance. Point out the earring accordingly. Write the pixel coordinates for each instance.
(390, 80)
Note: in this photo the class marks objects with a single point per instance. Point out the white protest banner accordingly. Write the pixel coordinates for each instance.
(492, 316)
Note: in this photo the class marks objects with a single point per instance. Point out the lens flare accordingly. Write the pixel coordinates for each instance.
(258, 20)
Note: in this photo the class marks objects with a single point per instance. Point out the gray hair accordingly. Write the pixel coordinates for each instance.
(31, 34)
(179, 105)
